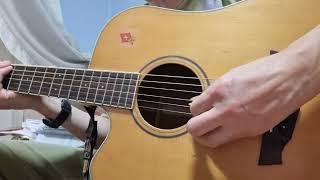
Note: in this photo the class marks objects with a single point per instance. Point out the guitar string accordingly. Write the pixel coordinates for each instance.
(99, 71)
(180, 112)
(115, 84)
(157, 75)
(160, 82)
(57, 78)
(146, 107)
(124, 78)
(88, 93)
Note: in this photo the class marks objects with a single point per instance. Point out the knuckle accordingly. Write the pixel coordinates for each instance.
(194, 109)
(222, 86)
(192, 129)
(233, 109)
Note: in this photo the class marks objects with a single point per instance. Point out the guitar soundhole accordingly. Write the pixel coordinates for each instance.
(165, 93)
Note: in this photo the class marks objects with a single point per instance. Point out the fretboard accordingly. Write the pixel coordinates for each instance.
(107, 88)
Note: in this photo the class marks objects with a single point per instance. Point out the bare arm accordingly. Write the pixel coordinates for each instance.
(253, 98)
(77, 123)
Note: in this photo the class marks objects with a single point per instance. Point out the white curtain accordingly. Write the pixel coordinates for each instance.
(33, 32)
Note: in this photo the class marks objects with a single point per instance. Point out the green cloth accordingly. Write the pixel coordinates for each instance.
(34, 161)
(228, 2)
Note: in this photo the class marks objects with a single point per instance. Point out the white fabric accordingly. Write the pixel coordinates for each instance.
(34, 33)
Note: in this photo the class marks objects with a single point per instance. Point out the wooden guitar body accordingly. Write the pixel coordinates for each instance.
(209, 44)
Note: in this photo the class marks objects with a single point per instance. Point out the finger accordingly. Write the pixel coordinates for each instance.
(203, 102)
(4, 63)
(193, 98)
(215, 138)
(6, 94)
(6, 99)
(4, 71)
(204, 123)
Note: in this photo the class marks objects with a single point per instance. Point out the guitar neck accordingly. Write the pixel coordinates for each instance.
(107, 88)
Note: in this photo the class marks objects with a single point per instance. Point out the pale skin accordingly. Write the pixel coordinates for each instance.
(253, 98)
(77, 122)
(244, 102)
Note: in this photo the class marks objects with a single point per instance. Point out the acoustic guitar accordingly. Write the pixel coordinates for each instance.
(148, 63)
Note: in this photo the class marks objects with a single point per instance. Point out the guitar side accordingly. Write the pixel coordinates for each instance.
(216, 42)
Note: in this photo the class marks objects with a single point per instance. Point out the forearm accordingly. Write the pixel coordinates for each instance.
(78, 121)
(305, 62)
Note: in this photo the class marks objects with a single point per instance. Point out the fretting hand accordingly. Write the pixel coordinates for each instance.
(12, 100)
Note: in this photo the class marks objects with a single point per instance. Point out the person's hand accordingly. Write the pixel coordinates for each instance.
(12, 100)
(246, 101)
(251, 99)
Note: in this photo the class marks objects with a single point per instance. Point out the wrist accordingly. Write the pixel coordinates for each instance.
(61, 117)
(301, 59)
(48, 107)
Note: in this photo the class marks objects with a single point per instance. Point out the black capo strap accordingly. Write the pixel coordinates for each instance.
(90, 142)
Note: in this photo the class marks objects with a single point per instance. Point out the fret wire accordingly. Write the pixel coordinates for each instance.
(61, 89)
(162, 82)
(89, 87)
(71, 83)
(166, 89)
(71, 79)
(47, 81)
(125, 103)
(105, 90)
(160, 75)
(115, 84)
(124, 77)
(166, 97)
(76, 84)
(54, 75)
(32, 80)
(42, 80)
(89, 93)
(98, 87)
(135, 89)
(182, 84)
(12, 73)
(84, 72)
(21, 78)
(62, 82)
(135, 86)
(94, 86)
(154, 102)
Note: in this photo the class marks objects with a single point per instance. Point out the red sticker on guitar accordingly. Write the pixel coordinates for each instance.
(126, 38)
